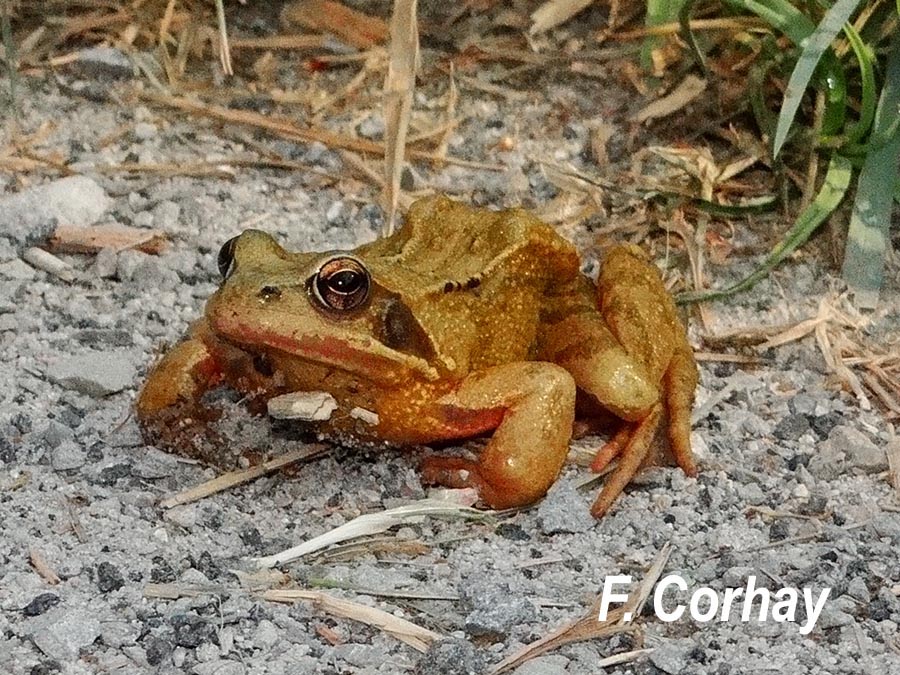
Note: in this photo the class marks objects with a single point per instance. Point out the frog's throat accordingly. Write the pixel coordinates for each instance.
(363, 356)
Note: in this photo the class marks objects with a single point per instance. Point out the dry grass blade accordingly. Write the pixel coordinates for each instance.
(406, 631)
(399, 85)
(286, 128)
(687, 90)
(351, 26)
(555, 12)
(224, 49)
(232, 478)
(588, 627)
(40, 565)
(370, 523)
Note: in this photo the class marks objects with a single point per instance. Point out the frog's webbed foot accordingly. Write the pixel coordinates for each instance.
(536, 401)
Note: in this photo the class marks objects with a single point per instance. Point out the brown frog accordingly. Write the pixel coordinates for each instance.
(464, 322)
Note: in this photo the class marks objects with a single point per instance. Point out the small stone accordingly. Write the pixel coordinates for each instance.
(791, 428)
(40, 604)
(832, 617)
(109, 578)
(803, 404)
(166, 215)
(357, 654)
(9, 322)
(371, 127)
(308, 406)
(857, 589)
(156, 649)
(828, 462)
(18, 270)
(61, 633)
(105, 263)
(861, 452)
(887, 526)
(117, 634)
(553, 664)
(67, 456)
(94, 373)
(823, 424)
(673, 656)
(266, 635)
(451, 656)
(144, 131)
(31, 215)
(183, 516)
(564, 510)
(496, 612)
(219, 667)
(104, 62)
(335, 213)
(191, 630)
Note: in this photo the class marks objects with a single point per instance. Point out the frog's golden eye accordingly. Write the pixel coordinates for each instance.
(341, 284)
(225, 261)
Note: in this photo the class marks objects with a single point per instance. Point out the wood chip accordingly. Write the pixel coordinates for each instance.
(356, 28)
(95, 238)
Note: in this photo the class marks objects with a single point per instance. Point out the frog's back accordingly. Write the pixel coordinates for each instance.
(474, 279)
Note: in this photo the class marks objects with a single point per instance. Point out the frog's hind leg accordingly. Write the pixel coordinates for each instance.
(679, 383)
(631, 459)
(613, 447)
(536, 402)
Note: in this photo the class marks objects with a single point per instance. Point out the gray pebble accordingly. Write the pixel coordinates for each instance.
(219, 667)
(104, 62)
(564, 509)
(144, 131)
(552, 664)
(9, 322)
(371, 127)
(860, 450)
(857, 589)
(450, 657)
(497, 611)
(791, 428)
(67, 457)
(166, 215)
(803, 404)
(96, 374)
(18, 270)
(673, 655)
(106, 263)
(60, 633)
(357, 654)
(31, 215)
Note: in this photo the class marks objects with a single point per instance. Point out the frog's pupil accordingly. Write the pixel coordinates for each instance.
(346, 281)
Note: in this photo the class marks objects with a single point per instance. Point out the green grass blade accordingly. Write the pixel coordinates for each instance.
(868, 99)
(813, 49)
(867, 239)
(832, 192)
(10, 55)
(658, 13)
(779, 14)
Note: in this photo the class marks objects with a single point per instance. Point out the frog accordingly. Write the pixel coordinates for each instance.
(464, 323)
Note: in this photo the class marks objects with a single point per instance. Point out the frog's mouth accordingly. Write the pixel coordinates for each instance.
(363, 356)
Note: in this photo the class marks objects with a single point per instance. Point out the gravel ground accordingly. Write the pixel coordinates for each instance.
(793, 486)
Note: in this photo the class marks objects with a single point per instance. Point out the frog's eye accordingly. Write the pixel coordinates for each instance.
(225, 261)
(341, 283)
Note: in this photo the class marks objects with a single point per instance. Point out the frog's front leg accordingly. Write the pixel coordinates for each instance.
(536, 401)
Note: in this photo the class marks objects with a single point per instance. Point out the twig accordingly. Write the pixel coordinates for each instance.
(415, 636)
(40, 565)
(232, 478)
(399, 85)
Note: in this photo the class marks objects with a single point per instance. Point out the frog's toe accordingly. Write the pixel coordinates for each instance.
(631, 459)
(679, 383)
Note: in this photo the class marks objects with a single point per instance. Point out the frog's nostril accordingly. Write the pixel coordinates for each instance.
(263, 365)
(269, 293)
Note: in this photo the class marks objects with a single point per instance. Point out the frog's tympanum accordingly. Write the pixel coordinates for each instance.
(465, 322)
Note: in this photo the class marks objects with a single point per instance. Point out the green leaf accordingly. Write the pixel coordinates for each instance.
(813, 49)
(837, 180)
(867, 239)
